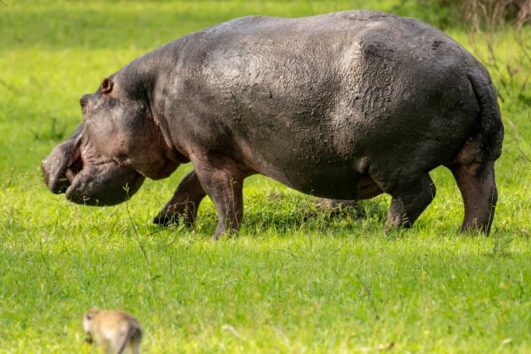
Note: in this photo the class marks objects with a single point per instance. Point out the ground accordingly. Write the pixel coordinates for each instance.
(296, 279)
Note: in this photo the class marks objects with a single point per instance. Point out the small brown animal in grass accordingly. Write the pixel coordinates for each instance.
(115, 331)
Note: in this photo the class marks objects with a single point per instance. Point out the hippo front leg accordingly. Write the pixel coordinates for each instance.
(223, 182)
(184, 204)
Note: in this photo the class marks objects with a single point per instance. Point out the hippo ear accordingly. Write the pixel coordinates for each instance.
(106, 86)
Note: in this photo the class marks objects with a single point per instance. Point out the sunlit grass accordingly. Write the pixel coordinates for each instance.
(296, 279)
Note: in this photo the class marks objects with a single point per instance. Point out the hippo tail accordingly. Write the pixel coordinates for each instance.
(490, 132)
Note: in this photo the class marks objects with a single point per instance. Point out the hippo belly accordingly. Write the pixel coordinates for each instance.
(319, 106)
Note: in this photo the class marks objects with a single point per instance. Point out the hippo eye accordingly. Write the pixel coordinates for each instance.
(106, 86)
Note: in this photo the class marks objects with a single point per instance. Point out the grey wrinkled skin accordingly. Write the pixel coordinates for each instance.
(345, 106)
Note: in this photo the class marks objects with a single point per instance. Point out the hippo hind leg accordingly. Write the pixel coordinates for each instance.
(409, 201)
(478, 188)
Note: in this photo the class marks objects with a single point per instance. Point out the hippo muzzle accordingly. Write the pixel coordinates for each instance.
(85, 179)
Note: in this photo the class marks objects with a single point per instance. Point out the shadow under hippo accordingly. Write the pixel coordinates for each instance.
(346, 105)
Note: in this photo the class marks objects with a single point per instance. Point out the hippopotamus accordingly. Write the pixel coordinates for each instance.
(346, 105)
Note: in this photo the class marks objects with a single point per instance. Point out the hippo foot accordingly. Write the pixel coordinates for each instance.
(182, 207)
(172, 219)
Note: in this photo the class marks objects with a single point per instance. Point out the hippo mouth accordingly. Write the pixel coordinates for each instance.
(88, 180)
(102, 184)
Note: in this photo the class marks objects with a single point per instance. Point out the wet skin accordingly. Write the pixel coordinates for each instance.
(346, 106)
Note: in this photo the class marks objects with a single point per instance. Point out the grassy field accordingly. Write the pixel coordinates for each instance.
(296, 279)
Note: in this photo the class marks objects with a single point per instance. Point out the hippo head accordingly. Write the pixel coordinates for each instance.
(108, 157)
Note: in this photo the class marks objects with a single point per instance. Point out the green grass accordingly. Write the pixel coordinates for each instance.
(296, 279)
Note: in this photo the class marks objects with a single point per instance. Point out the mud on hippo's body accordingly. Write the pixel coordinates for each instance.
(346, 105)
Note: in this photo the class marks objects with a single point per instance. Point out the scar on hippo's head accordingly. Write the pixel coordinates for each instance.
(106, 86)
